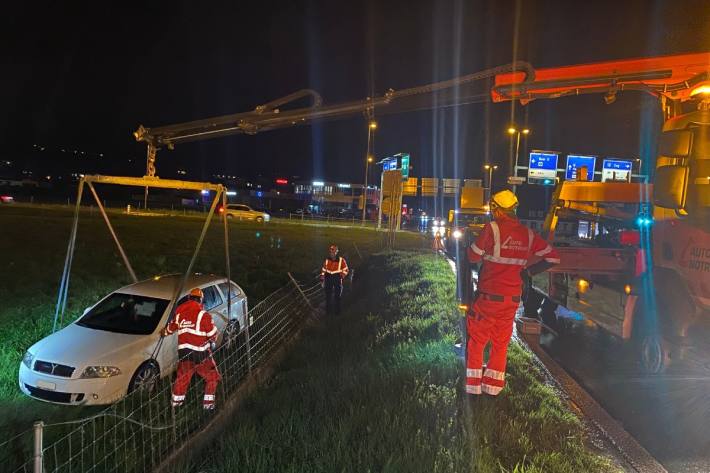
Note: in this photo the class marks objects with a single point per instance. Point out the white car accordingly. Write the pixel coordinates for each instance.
(244, 212)
(108, 351)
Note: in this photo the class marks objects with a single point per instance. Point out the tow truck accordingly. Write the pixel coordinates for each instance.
(658, 272)
(467, 220)
(644, 275)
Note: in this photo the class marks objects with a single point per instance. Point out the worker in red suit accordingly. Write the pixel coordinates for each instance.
(334, 270)
(196, 342)
(505, 247)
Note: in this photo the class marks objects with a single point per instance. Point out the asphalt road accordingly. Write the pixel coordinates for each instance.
(669, 414)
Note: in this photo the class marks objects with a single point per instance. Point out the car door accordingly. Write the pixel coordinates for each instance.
(239, 302)
(214, 303)
(244, 212)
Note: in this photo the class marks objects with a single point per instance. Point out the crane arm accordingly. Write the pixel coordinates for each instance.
(673, 77)
(270, 116)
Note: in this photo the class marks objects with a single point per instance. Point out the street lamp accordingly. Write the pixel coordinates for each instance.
(514, 131)
(371, 127)
(490, 168)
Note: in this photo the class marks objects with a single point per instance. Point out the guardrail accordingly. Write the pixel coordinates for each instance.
(141, 430)
(352, 221)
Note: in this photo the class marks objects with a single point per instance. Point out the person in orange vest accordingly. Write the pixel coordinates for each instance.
(505, 247)
(437, 245)
(196, 342)
(334, 270)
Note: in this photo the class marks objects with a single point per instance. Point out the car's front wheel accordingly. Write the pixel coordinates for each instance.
(259, 219)
(145, 377)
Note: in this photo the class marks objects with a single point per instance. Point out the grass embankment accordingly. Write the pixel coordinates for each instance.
(33, 247)
(380, 389)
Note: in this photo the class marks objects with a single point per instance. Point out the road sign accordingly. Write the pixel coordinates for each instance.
(575, 162)
(542, 165)
(409, 187)
(516, 180)
(430, 186)
(389, 164)
(404, 165)
(451, 186)
(616, 170)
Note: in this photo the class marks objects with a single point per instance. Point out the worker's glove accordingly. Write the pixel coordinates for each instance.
(164, 332)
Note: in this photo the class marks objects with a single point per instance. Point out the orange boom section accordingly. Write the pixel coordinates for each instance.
(675, 77)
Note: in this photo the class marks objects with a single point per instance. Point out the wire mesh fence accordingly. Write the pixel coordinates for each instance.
(141, 430)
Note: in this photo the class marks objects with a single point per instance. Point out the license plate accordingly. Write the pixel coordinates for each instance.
(46, 385)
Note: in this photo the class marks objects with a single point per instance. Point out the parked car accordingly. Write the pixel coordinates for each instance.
(6, 199)
(109, 351)
(244, 212)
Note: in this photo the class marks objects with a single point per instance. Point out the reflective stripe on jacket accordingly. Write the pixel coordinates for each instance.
(335, 266)
(194, 327)
(506, 247)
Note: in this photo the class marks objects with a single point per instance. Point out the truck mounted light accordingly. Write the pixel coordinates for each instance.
(457, 234)
(627, 289)
(582, 286)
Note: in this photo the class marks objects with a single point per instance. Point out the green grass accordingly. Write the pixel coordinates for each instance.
(33, 247)
(380, 390)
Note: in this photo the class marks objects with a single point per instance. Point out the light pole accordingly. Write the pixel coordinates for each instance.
(514, 166)
(490, 168)
(371, 127)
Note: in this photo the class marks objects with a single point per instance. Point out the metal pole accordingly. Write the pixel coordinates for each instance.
(113, 233)
(367, 163)
(38, 428)
(64, 285)
(515, 168)
(226, 259)
(379, 206)
(295, 283)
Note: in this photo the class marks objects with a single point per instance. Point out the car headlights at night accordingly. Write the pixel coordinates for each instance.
(28, 359)
(100, 372)
(457, 234)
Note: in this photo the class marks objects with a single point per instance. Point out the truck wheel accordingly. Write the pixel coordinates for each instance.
(650, 348)
(653, 354)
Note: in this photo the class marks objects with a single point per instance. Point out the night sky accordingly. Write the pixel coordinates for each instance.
(83, 75)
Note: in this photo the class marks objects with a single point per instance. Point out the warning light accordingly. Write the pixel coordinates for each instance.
(583, 286)
(281, 181)
(627, 289)
(463, 307)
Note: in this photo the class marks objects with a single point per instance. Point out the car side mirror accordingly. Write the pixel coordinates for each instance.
(670, 188)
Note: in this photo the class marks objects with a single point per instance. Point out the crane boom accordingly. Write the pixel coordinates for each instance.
(673, 77)
(669, 77)
(270, 116)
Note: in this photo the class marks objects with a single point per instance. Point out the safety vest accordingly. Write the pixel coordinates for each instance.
(335, 266)
(506, 246)
(194, 327)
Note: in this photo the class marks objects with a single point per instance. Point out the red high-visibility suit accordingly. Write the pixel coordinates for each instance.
(505, 246)
(195, 332)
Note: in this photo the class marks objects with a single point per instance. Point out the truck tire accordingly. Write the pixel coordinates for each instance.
(650, 347)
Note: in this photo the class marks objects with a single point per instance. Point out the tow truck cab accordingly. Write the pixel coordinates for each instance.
(642, 270)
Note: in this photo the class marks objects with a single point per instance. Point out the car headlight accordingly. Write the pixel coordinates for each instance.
(100, 372)
(28, 359)
(457, 234)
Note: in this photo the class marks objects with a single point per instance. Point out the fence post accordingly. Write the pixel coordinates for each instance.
(38, 427)
(300, 290)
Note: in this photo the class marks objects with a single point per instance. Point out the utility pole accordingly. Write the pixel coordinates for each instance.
(371, 127)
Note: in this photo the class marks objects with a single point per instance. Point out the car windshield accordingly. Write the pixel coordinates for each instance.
(125, 313)
(472, 219)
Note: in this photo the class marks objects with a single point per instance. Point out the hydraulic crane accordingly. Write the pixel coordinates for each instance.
(647, 278)
(679, 197)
